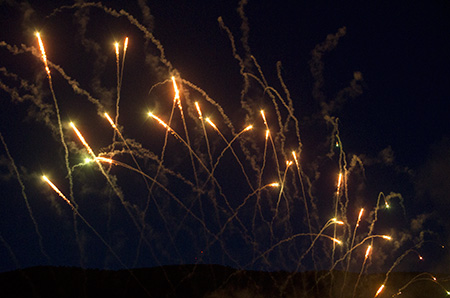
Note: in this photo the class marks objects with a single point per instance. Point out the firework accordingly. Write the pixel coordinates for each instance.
(218, 201)
(44, 55)
(56, 189)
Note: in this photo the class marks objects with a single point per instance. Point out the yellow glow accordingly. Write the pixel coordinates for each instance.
(360, 214)
(125, 46)
(267, 134)
(275, 184)
(369, 248)
(175, 88)
(159, 120)
(337, 241)
(248, 127)
(53, 186)
(110, 120)
(104, 159)
(264, 117)
(80, 136)
(197, 106)
(339, 222)
(386, 237)
(116, 46)
(379, 290)
(44, 55)
(211, 123)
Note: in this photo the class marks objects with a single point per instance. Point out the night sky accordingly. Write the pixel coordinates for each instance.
(366, 94)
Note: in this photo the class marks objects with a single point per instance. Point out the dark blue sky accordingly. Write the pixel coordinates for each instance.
(393, 118)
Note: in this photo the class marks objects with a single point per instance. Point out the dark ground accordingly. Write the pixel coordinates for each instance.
(208, 281)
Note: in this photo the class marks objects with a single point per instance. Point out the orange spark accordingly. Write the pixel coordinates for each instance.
(379, 290)
(339, 182)
(211, 123)
(264, 117)
(275, 184)
(110, 121)
(175, 88)
(104, 159)
(80, 136)
(44, 56)
(56, 190)
(368, 250)
(125, 46)
(159, 120)
(338, 222)
(295, 157)
(116, 46)
(337, 241)
(359, 216)
(198, 110)
(267, 133)
(248, 127)
(386, 237)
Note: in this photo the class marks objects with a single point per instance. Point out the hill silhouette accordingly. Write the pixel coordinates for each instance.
(210, 281)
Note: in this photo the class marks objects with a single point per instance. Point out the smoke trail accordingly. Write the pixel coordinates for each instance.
(148, 35)
(25, 197)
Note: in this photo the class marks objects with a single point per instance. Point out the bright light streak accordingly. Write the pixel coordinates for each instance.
(337, 241)
(267, 133)
(80, 136)
(104, 159)
(264, 117)
(125, 46)
(339, 182)
(116, 46)
(197, 106)
(338, 222)
(379, 290)
(44, 56)
(159, 120)
(359, 216)
(368, 250)
(53, 186)
(275, 184)
(386, 237)
(211, 123)
(175, 88)
(248, 128)
(110, 120)
(295, 157)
